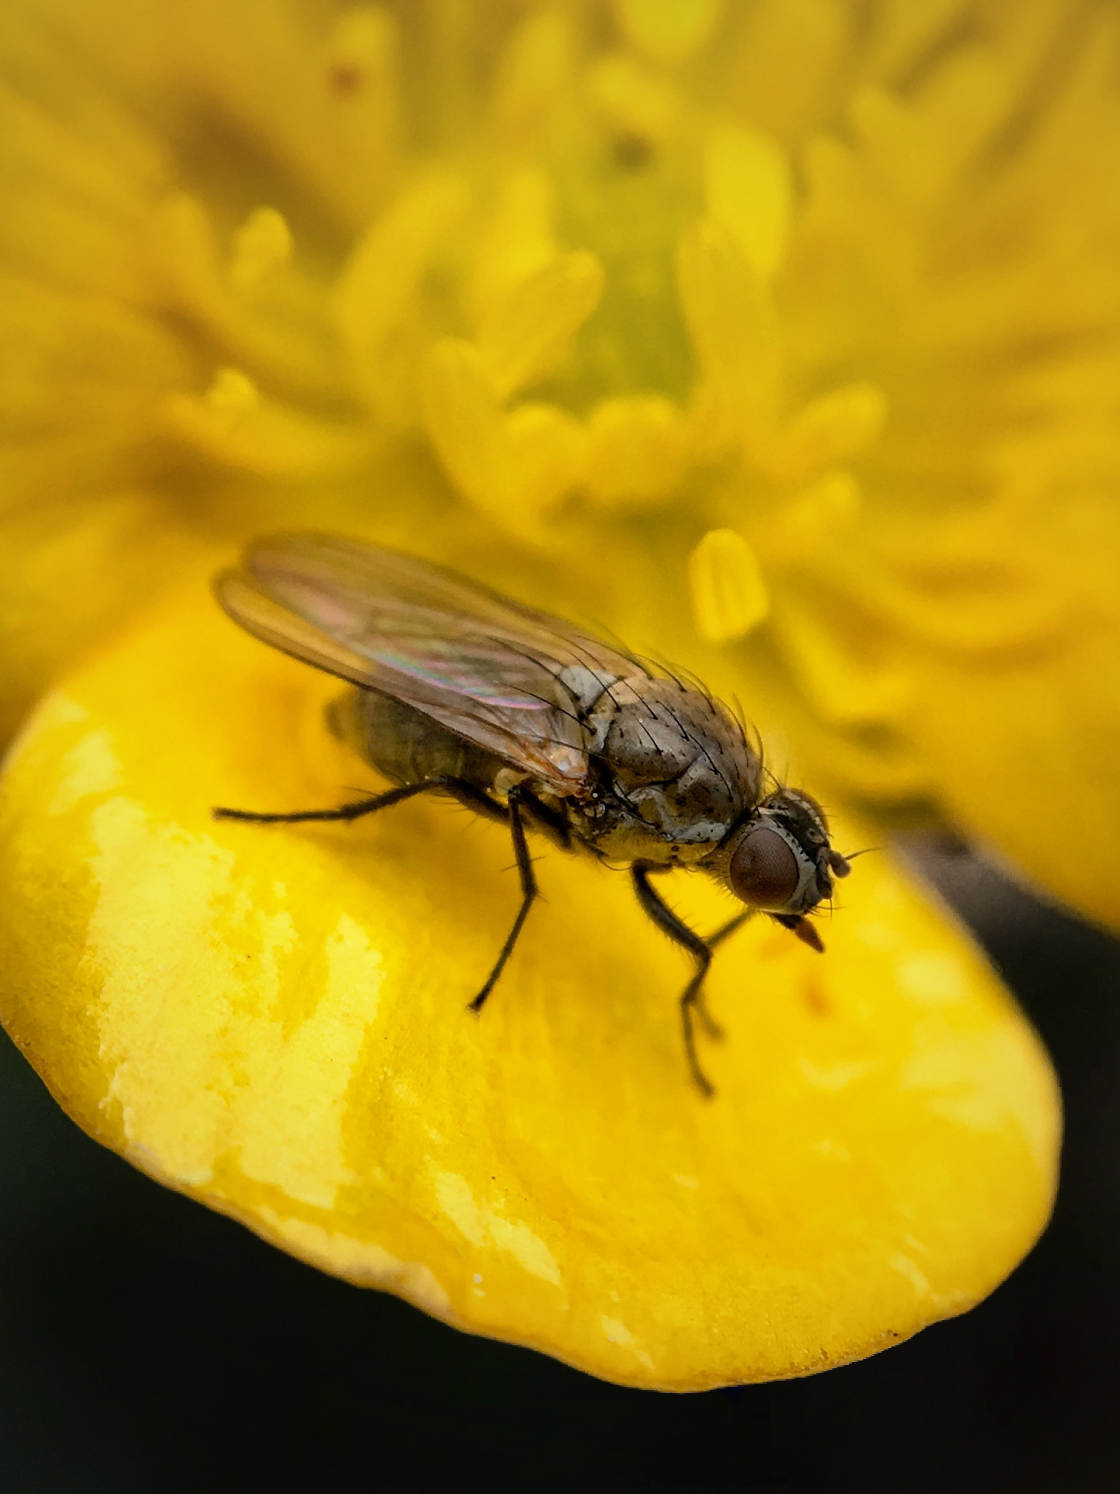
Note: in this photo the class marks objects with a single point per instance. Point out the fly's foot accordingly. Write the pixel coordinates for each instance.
(701, 1080)
(712, 1029)
(691, 1002)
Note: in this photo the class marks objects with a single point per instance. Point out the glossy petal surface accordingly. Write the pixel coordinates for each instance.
(272, 1020)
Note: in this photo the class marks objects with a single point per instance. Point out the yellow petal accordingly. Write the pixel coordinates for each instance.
(891, 211)
(58, 601)
(271, 1019)
(1024, 757)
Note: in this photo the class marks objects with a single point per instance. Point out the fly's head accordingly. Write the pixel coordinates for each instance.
(779, 860)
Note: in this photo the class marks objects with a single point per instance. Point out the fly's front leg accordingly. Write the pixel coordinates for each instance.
(514, 801)
(701, 950)
(713, 941)
(711, 1027)
(729, 928)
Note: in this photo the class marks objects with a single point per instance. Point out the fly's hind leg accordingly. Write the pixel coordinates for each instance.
(465, 792)
(468, 794)
(700, 949)
(514, 801)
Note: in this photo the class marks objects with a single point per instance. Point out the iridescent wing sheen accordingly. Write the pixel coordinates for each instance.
(507, 678)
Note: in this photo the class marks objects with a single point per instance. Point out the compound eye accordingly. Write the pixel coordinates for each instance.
(764, 871)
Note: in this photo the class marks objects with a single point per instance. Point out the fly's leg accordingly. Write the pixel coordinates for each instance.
(473, 798)
(551, 821)
(514, 800)
(465, 792)
(701, 950)
(728, 928)
(711, 1027)
(713, 941)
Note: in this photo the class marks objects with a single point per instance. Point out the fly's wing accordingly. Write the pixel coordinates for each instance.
(480, 665)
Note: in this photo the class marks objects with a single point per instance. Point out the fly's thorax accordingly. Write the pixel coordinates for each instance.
(613, 831)
(586, 685)
(677, 763)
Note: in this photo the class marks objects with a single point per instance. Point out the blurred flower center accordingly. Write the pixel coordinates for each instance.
(801, 314)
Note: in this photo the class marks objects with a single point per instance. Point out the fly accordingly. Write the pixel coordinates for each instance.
(528, 720)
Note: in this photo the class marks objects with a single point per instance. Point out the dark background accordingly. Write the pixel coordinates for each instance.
(149, 1345)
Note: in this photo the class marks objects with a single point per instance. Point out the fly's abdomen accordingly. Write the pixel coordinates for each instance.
(405, 745)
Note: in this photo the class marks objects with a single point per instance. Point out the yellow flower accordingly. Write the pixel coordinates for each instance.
(274, 1022)
(779, 339)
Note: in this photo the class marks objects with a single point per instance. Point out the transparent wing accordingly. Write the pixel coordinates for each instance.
(505, 677)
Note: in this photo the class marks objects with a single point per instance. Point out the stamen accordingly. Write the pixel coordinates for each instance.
(729, 595)
(848, 686)
(262, 244)
(465, 424)
(749, 191)
(668, 33)
(529, 331)
(830, 429)
(812, 517)
(635, 104)
(378, 290)
(788, 55)
(535, 68)
(550, 454)
(515, 241)
(637, 449)
(362, 50)
(735, 331)
(230, 398)
(511, 467)
(233, 424)
(185, 256)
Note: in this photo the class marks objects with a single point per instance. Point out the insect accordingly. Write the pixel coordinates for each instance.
(528, 720)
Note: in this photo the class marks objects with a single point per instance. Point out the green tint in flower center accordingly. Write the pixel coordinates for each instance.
(626, 204)
(693, 283)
